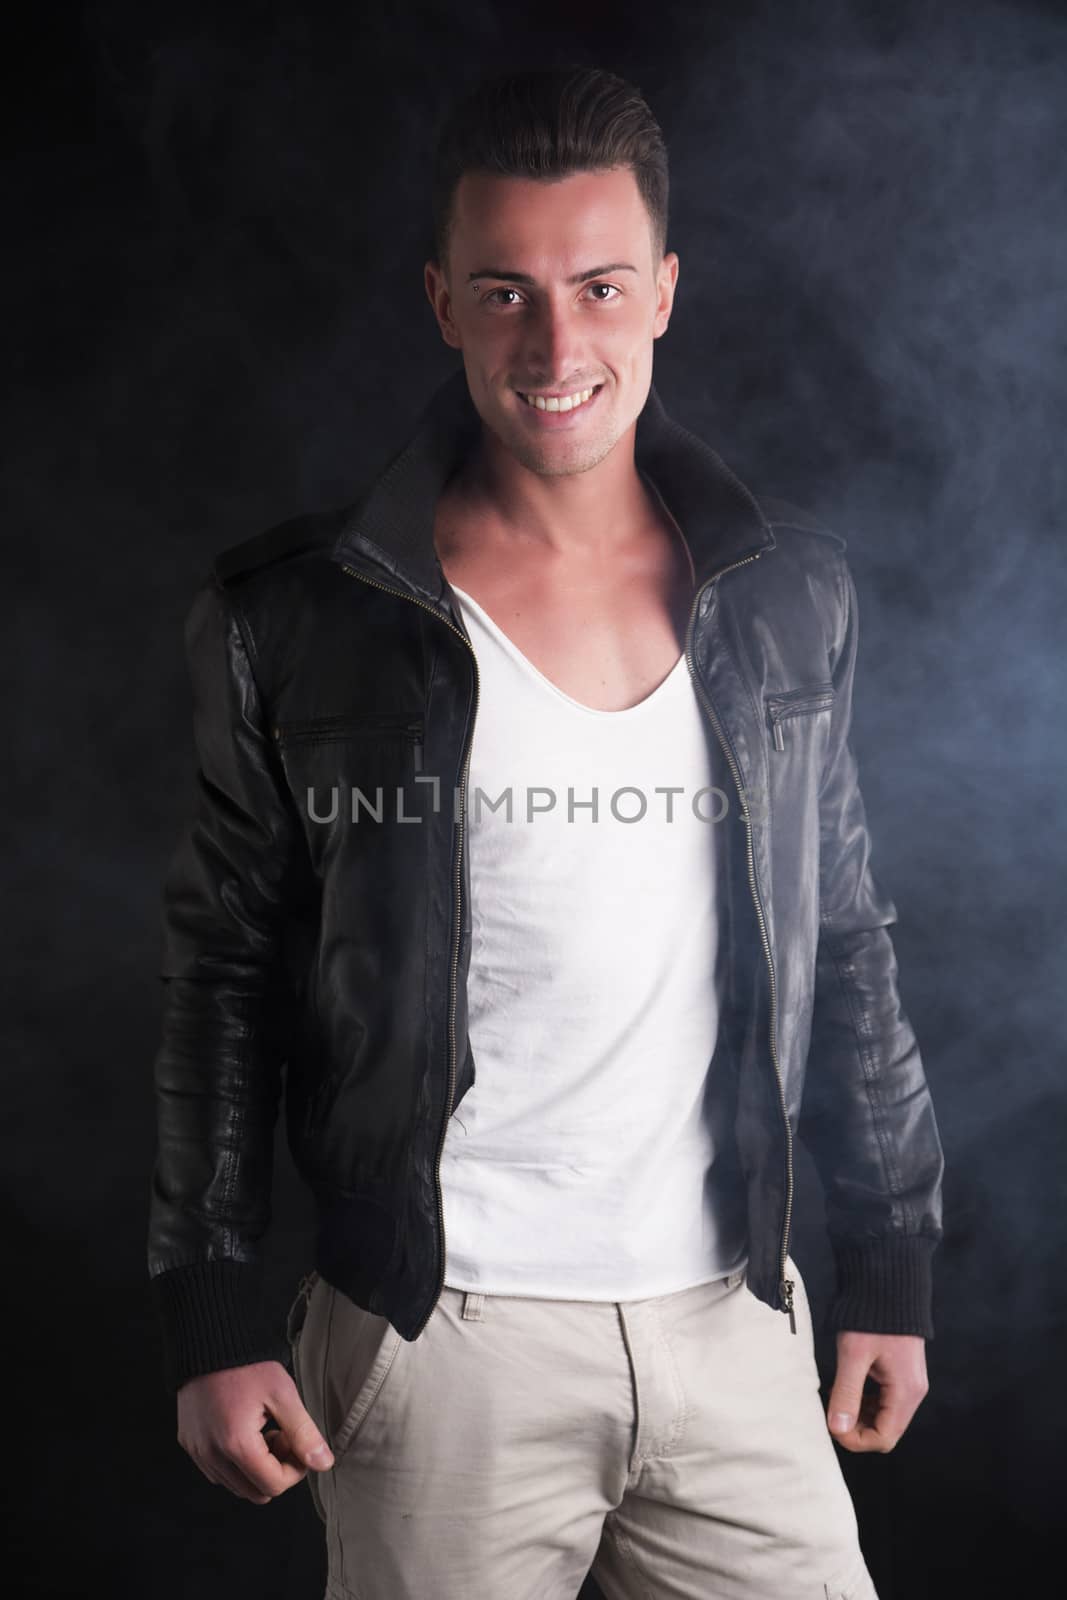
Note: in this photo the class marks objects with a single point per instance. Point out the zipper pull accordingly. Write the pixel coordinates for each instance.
(785, 1289)
(776, 732)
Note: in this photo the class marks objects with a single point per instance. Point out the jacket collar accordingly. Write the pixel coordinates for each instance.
(388, 532)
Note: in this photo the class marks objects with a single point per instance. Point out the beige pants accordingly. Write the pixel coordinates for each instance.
(676, 1445)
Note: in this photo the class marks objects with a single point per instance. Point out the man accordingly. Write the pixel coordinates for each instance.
(530, 844)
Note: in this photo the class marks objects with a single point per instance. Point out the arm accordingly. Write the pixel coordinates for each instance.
(867, 1116)
(218, 1068)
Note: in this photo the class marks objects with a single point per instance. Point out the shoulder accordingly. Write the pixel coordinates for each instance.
(279, 587)
(282, 577)
(797, 523)
(308, 535)
(806, 575)
(805, 542)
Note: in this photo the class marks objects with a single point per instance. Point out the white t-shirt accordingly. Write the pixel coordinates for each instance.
(594, 1157)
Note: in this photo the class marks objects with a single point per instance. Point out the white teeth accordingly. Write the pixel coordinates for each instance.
(568, 402)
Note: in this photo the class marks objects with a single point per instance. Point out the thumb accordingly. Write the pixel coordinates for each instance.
(305, 1440)
(846, 1395)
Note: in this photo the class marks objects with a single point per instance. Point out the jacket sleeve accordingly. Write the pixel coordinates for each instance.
(867, 1115)
(217, 1072)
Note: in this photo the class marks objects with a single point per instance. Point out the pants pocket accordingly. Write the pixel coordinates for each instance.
(361, 1350)
(295, 1325)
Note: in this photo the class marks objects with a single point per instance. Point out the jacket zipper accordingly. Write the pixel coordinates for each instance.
(785, 1285)
(456, 930)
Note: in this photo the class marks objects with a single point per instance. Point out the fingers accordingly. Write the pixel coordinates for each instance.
(306, 1444)
(866, 1437)
(229, 1476)
(269, 1472)
(280, 1447)
(880, 1382)
(861, 1438)
(221, 1425)
(884, 1416)
(847, 1397)
(255, 1472)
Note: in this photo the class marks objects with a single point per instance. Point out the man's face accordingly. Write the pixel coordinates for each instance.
(508, 303)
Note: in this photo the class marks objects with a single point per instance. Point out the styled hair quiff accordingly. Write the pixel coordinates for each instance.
(550, 122)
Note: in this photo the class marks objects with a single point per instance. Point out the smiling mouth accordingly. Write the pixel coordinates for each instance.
(571, 402)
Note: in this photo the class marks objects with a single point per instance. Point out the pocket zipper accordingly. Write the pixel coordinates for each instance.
(317, 730)
(796, 703)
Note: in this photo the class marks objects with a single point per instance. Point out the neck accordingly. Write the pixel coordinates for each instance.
(585, 514)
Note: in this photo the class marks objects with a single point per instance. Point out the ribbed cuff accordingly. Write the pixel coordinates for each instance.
(884, 1285)
(211, 1316)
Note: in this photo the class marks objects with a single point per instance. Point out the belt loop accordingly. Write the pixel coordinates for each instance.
(473, 1306)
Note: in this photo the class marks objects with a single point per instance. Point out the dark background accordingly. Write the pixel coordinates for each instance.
(217, 222)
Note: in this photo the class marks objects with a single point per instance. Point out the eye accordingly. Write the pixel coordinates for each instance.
(601, 300)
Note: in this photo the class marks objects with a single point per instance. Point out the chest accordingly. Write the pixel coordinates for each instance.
(605, 634)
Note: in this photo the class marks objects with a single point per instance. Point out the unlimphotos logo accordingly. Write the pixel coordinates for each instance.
(628, 803)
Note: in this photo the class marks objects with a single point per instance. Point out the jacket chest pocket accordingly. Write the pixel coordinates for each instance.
(362, 726)
(790, 703)
(372, 753)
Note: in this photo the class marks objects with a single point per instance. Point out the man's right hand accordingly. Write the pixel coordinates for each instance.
(221, 1416)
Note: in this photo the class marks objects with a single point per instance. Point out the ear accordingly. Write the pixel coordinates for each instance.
(440, 298)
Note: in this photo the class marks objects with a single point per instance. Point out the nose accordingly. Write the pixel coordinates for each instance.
(552, 352)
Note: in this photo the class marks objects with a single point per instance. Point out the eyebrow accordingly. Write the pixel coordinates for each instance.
(525, 278)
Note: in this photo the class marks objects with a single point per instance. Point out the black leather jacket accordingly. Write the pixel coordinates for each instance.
(331, 955)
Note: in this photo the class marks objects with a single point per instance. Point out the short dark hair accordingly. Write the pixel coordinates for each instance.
(550, 122)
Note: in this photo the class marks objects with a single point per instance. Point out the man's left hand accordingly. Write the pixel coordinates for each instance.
(897, 1364)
